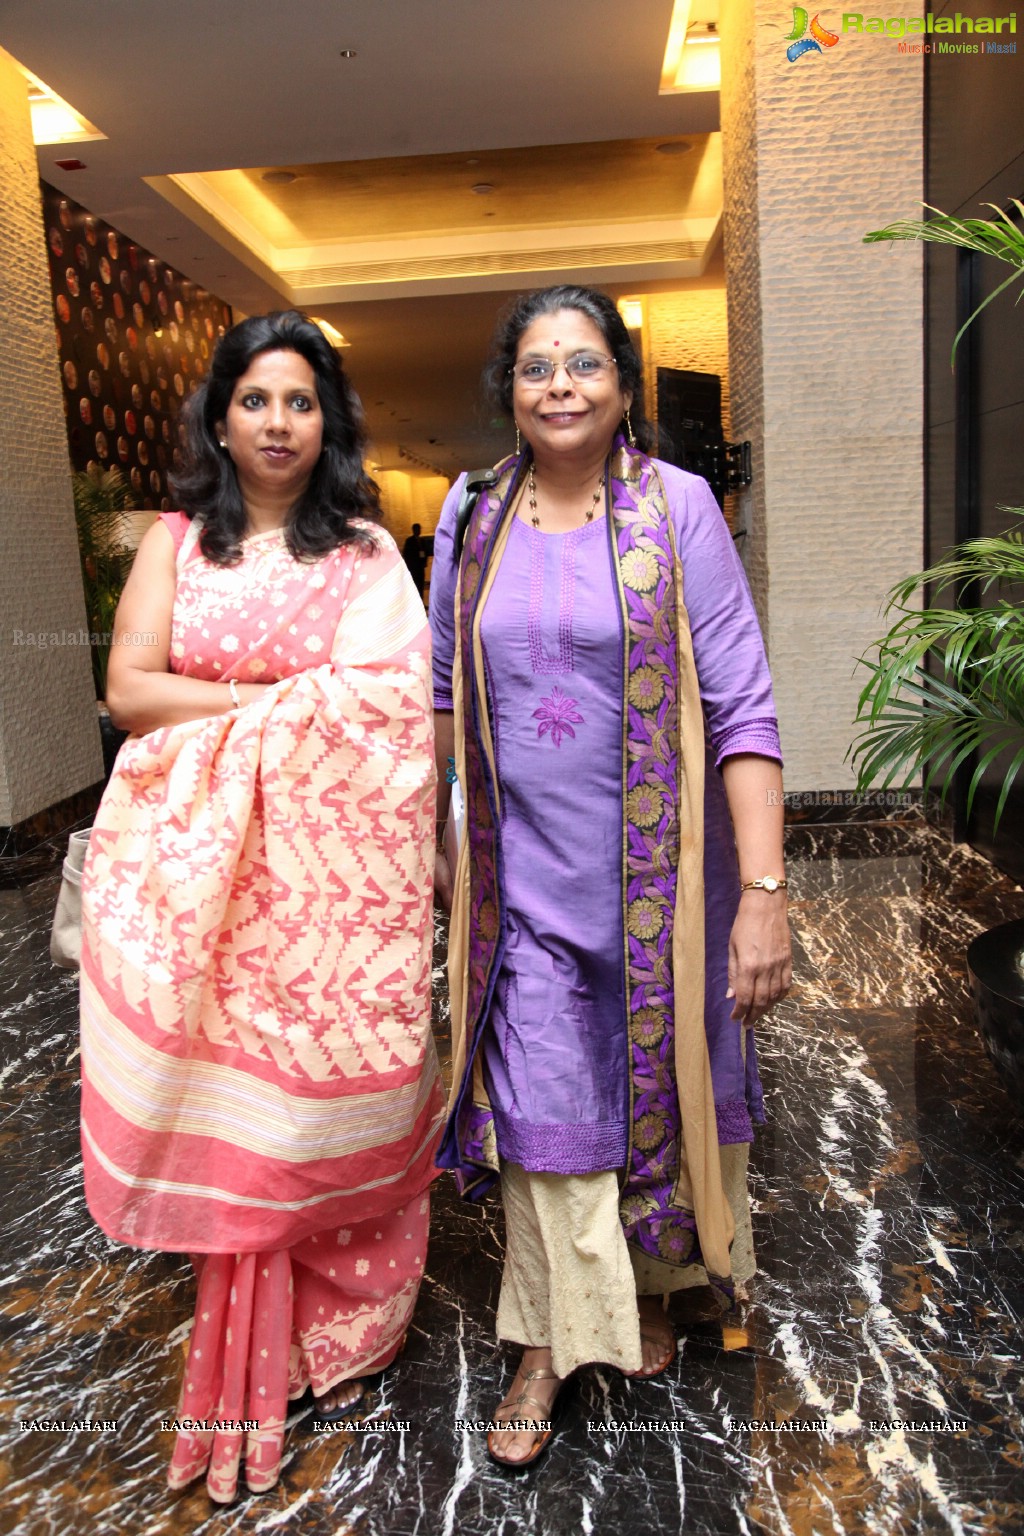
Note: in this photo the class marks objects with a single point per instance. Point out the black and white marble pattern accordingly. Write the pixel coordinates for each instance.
(888, 1216)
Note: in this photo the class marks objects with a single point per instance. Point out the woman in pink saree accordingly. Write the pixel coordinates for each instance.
(260, 1088)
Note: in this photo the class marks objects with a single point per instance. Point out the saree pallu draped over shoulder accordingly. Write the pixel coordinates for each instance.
(672, 1204)
(259, 1077)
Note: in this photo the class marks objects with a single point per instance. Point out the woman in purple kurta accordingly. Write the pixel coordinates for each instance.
(572, 654)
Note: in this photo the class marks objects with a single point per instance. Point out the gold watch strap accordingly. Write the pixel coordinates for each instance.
(766, 883)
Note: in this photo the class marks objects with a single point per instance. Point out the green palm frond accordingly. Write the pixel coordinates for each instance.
(1000, 237)
(919, 722)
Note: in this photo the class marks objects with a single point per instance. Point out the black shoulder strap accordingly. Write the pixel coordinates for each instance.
(476, 481)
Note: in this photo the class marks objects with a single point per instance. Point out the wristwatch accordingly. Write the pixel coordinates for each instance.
(766, 883)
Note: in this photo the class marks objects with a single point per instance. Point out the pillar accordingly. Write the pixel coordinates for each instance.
(825, 352)
(49, 739)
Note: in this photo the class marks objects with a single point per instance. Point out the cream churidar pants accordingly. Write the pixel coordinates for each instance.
(568, 1280)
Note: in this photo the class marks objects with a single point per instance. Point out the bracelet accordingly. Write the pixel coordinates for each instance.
(233, 687)
(766, 883)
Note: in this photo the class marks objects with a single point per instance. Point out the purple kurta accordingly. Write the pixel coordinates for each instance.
(555, 1049)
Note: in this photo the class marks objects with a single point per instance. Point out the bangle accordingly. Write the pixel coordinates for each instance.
(233, 686)
(766, 883)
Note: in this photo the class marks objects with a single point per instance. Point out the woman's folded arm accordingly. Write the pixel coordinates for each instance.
(143, 694)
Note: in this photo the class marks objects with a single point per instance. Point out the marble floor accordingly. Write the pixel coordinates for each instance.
(888, 1214)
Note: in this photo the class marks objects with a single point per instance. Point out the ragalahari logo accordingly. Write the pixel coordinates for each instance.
(800, 43)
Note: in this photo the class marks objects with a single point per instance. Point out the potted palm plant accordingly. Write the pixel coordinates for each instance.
(103, 499)
(964, 711)
(972, 705)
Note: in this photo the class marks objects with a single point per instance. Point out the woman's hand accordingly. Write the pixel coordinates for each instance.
(760, 959)
(444, 884)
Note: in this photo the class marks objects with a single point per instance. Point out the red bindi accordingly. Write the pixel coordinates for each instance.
(558, 343)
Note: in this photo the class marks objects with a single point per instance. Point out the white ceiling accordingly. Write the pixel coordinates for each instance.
(206, 85)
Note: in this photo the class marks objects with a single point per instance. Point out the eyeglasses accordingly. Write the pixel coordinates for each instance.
(537, 372)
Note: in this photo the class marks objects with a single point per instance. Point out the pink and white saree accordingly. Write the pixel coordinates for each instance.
(259, 1080)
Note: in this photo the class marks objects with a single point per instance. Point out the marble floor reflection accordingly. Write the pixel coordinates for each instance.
(888, 1214)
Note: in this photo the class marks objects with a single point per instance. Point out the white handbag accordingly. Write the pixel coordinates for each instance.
(66, 933)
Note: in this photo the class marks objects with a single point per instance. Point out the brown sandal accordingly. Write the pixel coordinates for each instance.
(659, 1370)
(541, 1436)
(344, 1410)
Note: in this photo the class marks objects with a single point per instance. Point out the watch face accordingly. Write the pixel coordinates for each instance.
(770, 883)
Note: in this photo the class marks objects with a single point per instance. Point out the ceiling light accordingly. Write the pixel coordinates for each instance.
(347, 53)
(55, 121)
(482, 188)
(335, 338)
(692, 56)
(674, 147)
(632, 312)
(279, 178)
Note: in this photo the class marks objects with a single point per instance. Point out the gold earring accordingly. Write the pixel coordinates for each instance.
(629, 429)
(519, 441)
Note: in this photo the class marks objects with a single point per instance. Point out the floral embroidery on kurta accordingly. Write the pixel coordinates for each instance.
(557, 714)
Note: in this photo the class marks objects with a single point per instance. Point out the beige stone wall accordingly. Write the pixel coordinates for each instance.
(825, 338)
(49, 740)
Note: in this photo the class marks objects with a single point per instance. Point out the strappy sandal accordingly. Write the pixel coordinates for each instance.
(541, 1436)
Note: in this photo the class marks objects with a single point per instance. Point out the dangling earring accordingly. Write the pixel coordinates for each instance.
(629, 429)
(519, 442)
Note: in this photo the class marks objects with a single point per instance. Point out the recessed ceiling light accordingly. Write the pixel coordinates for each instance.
(347, 53)
(279, 178)
(482, 188)
(675, 147)
(54, 120)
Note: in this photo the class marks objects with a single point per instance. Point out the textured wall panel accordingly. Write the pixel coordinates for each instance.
(49, 741)
(743, 282)
(825, 353)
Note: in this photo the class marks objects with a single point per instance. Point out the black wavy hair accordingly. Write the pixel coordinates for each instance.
(598, 307)
(339, 488)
